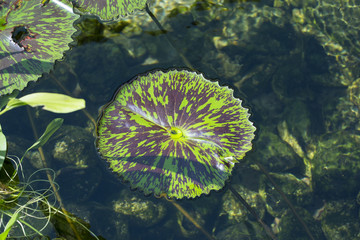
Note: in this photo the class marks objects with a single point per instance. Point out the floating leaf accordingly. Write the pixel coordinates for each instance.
(174, 133)
(53, 102)
(108, 9)
(32, 37)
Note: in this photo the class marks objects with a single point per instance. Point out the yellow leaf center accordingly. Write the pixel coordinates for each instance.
(175, 133)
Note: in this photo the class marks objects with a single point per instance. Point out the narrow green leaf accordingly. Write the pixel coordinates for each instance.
(54, 102)
(3, 147)
(6, 98)
(53, 126)
(13, 103)
(9, 225)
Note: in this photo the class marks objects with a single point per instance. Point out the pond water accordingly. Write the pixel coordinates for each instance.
(295, 66)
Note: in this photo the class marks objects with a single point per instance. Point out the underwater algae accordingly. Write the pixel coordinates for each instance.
(174, 133)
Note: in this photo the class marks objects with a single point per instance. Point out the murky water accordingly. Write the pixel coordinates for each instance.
(295, 65)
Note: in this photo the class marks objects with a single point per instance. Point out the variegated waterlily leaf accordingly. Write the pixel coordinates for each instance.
(32, 37)
(174, 133)
(108, 9)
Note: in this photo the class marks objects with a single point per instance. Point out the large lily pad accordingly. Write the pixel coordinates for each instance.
(32, 37)
(108, 9)
(174, 133)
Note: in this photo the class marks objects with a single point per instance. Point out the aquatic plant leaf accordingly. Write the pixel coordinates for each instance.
(3, 147)
(6, 98)
(51, 128)
(53, 102)
(108, 9)
(9, 224)
(174, 133)
(32, 37)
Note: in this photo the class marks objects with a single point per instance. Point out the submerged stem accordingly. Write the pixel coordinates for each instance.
(277, 188)
(57, 195)
(187, 63)
(191, 219)
(249, 208)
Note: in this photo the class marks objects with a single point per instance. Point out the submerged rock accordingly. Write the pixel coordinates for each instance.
(297, 191)
(243, 230)
(290, 227)
(340, 220)
(235, 211)
(17, 147)
(336, 165)
(346, 114)
(333, 25)
(70, 146)
(275, 154)
(75, 162)
(141, 212)
(187, 228)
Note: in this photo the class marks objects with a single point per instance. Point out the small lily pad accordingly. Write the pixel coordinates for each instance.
(32, 37)
(108, 9)
(174, 133)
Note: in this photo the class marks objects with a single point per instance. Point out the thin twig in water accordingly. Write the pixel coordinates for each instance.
(191, 219)
(158, 24)
(286, 200)
(267, 229)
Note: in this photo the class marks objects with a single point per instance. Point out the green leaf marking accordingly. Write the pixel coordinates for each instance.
(174, 133)
(108, 9)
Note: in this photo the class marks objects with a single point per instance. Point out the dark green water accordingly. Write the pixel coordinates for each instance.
(295, 65)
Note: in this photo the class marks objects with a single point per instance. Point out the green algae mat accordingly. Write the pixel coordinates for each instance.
(174, 133)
